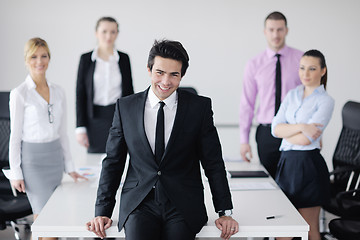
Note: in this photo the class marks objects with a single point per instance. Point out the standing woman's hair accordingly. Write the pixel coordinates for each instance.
(32, 46)
(317, 54)
(106, 19)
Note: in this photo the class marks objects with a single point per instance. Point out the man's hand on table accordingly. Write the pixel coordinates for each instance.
(98, 225)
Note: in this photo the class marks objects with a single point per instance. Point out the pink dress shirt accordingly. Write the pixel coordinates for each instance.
(259, 81)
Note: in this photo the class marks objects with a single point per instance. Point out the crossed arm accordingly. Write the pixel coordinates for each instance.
(298, 133)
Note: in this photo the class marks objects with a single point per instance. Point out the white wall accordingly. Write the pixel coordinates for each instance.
(220, 37)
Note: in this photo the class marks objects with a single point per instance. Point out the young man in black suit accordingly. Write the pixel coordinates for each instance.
(167, 133)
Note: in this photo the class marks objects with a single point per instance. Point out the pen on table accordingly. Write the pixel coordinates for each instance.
(270, 217)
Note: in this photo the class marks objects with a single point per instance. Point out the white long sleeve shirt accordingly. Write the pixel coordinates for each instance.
(30, 122)
(107, 79)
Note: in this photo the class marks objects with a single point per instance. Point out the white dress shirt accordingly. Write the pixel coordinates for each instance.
(30, 122)
(150, 116)
(107, 79)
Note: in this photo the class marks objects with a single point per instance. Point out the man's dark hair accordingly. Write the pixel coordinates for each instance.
(169, 49)
(276, 16)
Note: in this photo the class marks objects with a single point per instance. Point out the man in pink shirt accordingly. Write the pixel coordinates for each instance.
(268, 77)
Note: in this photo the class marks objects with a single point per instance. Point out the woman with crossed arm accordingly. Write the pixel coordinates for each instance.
(302, 173)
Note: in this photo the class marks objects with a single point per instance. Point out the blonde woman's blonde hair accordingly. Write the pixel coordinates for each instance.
(33, 45)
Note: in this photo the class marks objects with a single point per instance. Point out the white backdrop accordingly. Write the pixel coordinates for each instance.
(220, 36)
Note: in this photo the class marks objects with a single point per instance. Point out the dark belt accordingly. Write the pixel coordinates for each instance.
(265, 124)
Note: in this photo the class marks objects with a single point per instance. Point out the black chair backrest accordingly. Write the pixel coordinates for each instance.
(4, 105)
(4, 141)
(4, 128)
(351, 115)
(347, 151)
(189, 89)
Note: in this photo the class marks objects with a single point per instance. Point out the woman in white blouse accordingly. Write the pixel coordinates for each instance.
(38, 149)
(104, 75)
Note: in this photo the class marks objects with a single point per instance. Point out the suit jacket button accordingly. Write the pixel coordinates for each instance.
(159, 173)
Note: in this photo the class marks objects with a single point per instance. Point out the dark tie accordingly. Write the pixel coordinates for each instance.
(160, 196)
(160, 134)
(277, 84)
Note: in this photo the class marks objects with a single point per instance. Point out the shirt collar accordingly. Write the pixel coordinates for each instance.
(170, 101)
(95, 57)
(31, 84)
(320, 89)
(271, 53)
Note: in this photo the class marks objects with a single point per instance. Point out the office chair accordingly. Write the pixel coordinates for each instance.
(4, 138)
(12, 208)
(189, 89)
(346, 159)
(348, 226)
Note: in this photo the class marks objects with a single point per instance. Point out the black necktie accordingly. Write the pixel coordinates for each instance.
(277, 84)
(160, 134)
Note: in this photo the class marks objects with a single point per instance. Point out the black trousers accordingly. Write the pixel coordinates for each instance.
(154, 221)
(268, 148)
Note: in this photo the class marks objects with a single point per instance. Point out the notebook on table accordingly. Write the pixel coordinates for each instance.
(248, 174)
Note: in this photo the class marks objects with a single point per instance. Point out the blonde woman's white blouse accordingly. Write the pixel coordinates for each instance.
(34, 120)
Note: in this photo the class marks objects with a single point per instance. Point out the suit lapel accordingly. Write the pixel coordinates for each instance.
(121, 72)
(91, 77)
(140, 104)
(182, 106)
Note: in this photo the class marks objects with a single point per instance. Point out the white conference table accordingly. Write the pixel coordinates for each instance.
(72, 205)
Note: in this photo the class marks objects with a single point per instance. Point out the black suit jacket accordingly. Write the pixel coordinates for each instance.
(85, 85)
(193, 139)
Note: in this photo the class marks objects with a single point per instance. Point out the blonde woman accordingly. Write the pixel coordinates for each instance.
(38, 149)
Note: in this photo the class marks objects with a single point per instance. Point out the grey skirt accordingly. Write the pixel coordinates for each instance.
(42, 165)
